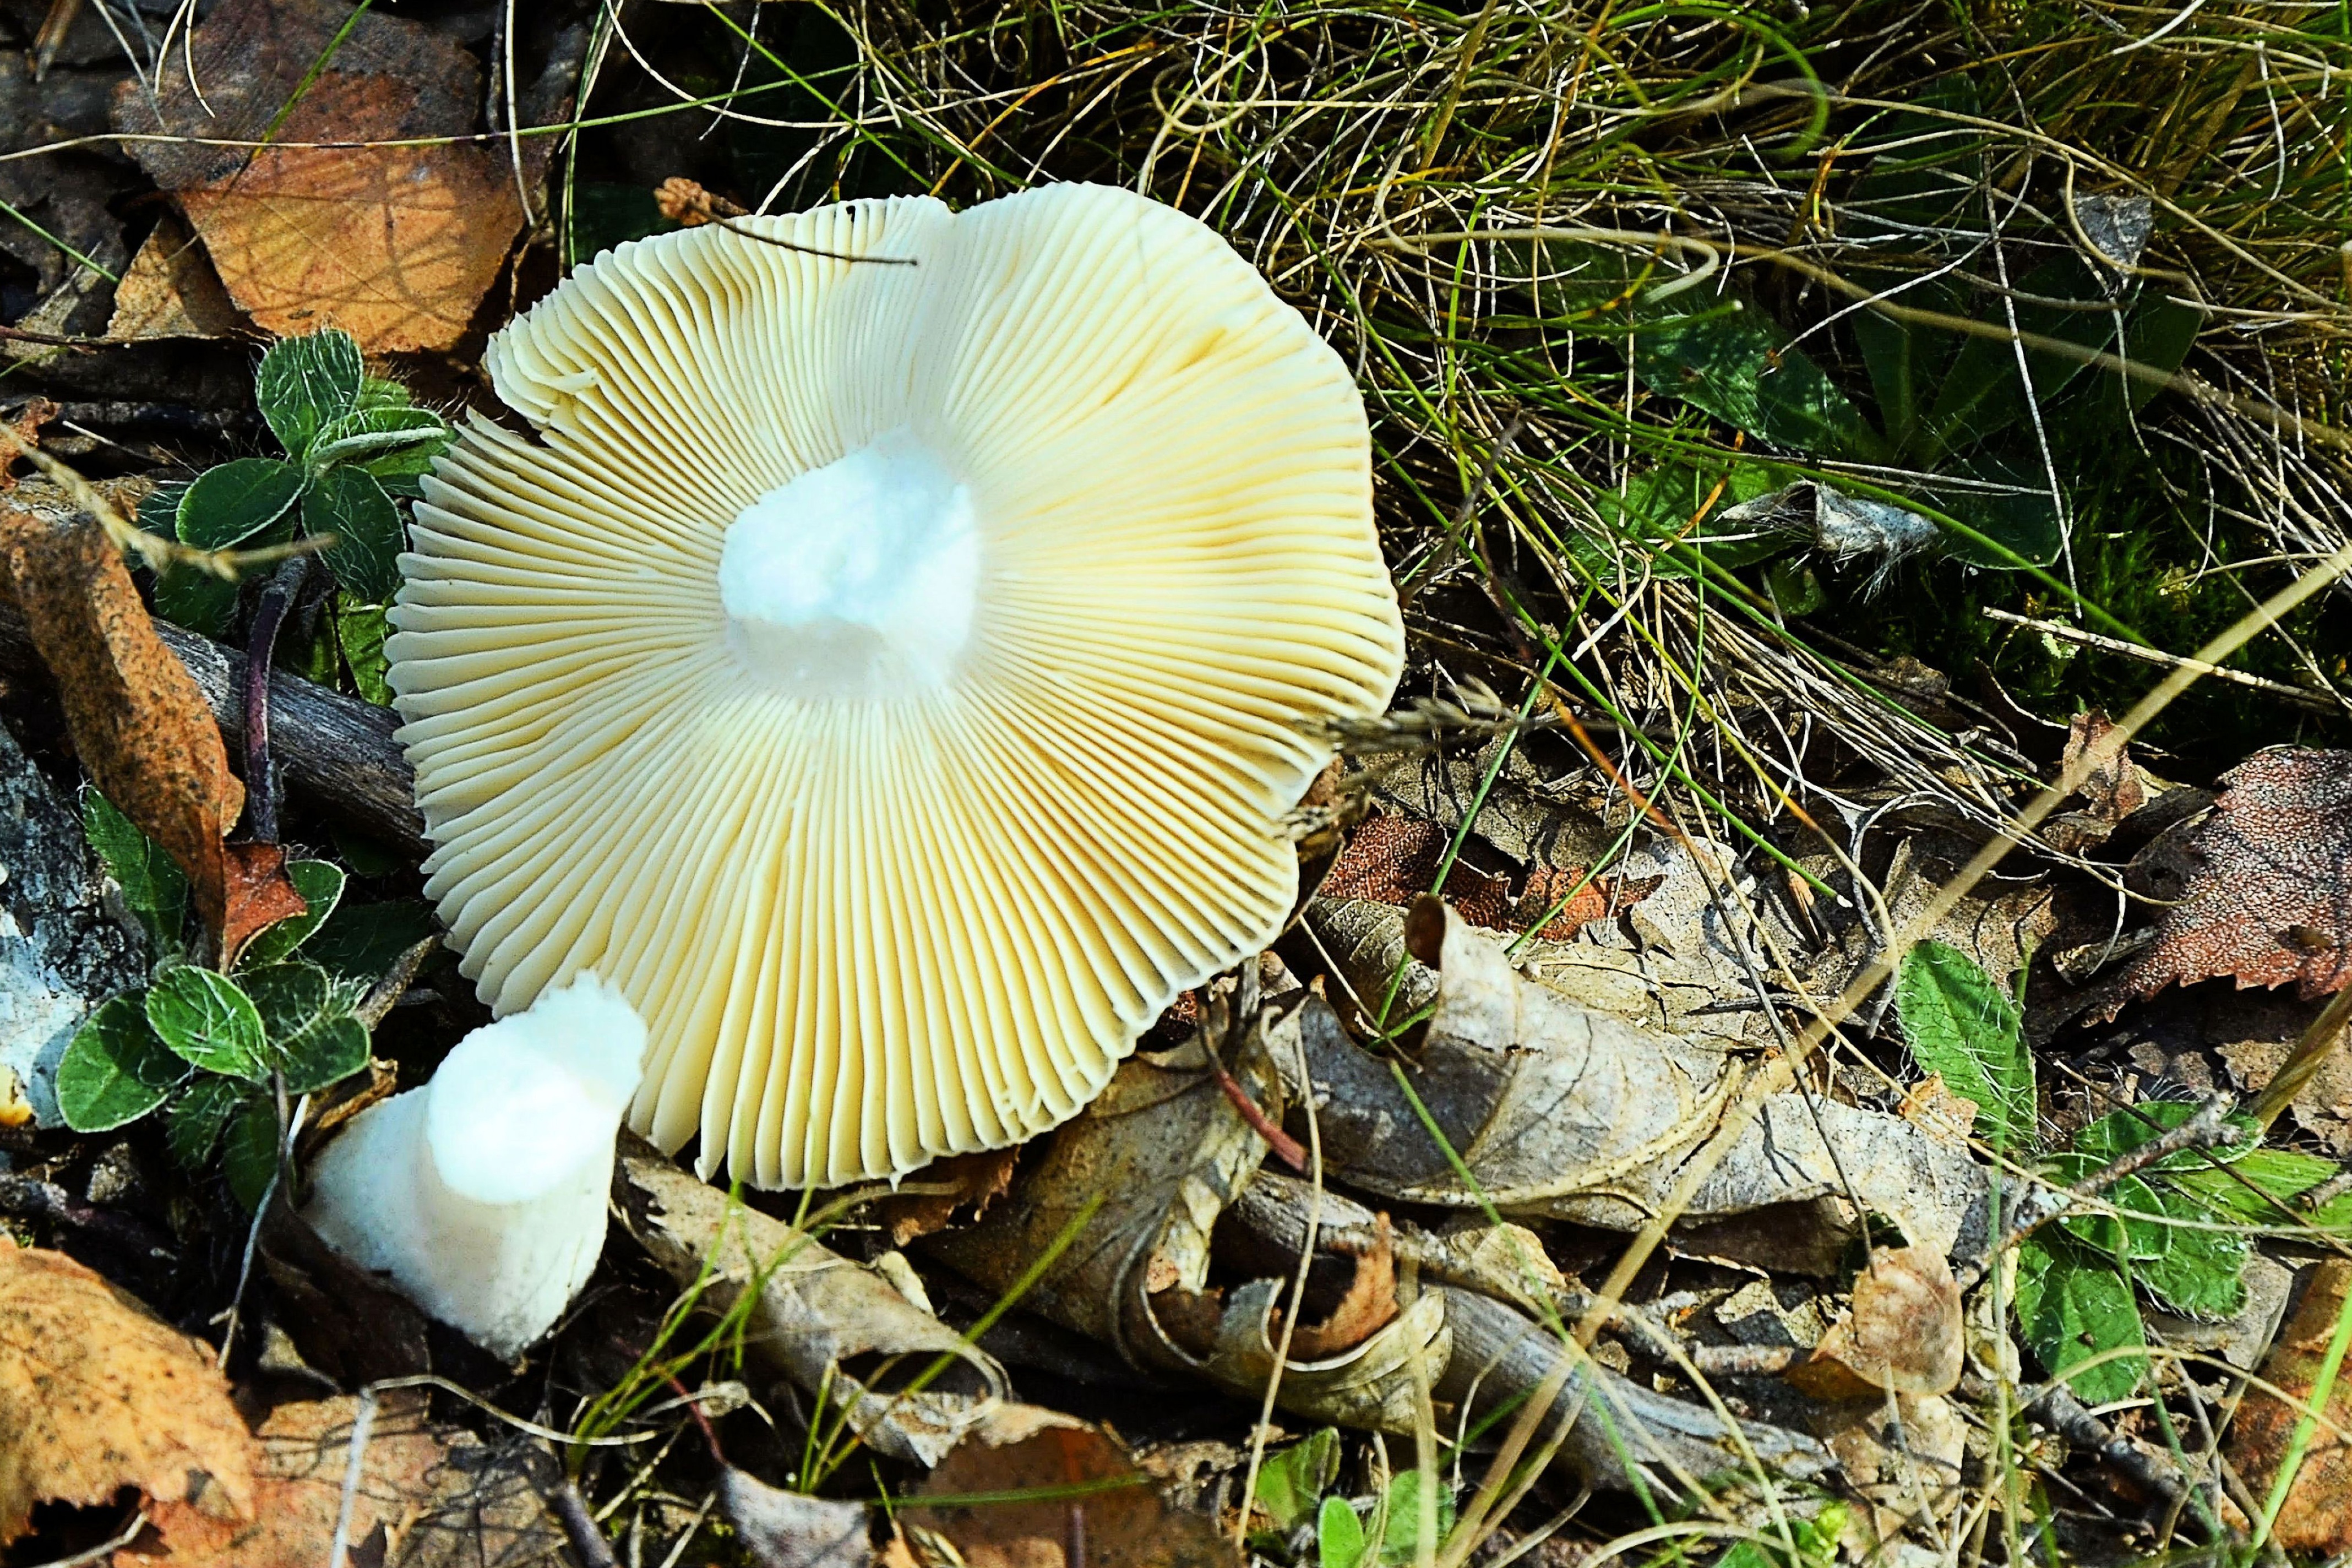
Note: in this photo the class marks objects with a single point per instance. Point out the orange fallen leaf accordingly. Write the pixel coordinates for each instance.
(2318, 1514)
(1393, 859)
(427, 1496)
(1093, 1505)
(1363, 1310)
(138, 724)
(1902, 1333)
(96, 1395)
(396, 245)
(976, 1180)
(170, 291)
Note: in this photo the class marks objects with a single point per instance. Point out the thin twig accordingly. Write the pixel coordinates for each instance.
(2059, 629)
(260, 787)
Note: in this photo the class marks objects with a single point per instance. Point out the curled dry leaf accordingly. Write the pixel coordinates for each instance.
(816, 1311)
(395, 245)
(791, 1530)
(429, 1496)
(2264, 885)
(959, 1182)
(1094, 1508)
(1172, 1153)
(1903, 1331)
(97, 1395)
(139, 722)
(1560, 1110)
(170, 291)
(2110, 791)
(2318, 1514)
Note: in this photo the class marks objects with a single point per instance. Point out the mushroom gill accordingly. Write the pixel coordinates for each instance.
(892, 678)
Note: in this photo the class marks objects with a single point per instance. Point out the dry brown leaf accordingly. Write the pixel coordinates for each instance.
(1903, 1331)
(974, 1181)
(1111, 1515)
(2318, 1514)
(139, 725)
(1367, 1307)
(2265, 897)
(428, 1497)
(395, 244)
(1393, 859)
(2111, 792)
(170, 291)
(96, 1395)
(828, 1322)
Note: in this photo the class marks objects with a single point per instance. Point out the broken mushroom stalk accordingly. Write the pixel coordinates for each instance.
(893, 680)
(482, 1195)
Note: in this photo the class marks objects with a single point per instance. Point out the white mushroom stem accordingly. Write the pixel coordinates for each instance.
(483, 1192)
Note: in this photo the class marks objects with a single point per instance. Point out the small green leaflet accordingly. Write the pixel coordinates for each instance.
(2070, 1308)
(2201, 1273)
(349, 504)
(210, 1023)
(231, 503)
(320, 883)
(115, 1070)
(361, 631)
(361, 941)
(2118, 1132)
(304, 382)
(1291, 1483)
(250, 1158)
(1815, 1540)
(373, 435)
(1339, 1535)
(196, 1117)
(2096, 1227)
(306, 1014)
(1412, 1494)
(1965, 1027)
(1735, 362)
(155, 889)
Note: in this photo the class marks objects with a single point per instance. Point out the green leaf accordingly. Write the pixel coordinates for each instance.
(1339, 1535)
(114, 1069)
(305, 383)
(373, 435)
(361, 632)
(1657, 507)
(375, 392)
(1815, 1540)
(349, 504)
(2071, 1306)
(1412, 1495)
(1735, 362)
(159, 509)
(204, 1017)
(193, 1125)
(195, 599)
(1903, 360)
(320, 883)
(289, 997)
(2201, 1273)
(154, 888)
(328, 1052)
(1291, 1483)
(1962, 1024)
(250, 1158)
(2016, 512)
(2095, 1228)
(231, 503)
(1982, 394)
(2118, 1132)
(361, 941)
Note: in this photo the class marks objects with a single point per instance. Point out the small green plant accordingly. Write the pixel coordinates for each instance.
(2177, 1233)
(205, 1049)
(1294, 1490)
(356, 448)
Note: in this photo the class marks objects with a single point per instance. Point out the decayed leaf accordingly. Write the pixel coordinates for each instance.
(170, 291)
(1367, 1304)
(817, 1310)
(961, 1180)
(1903, 1331)
(2266, 897)
(1169, 1152)
(2110, 791)
(139, 725)
(1108, 1514)
(96, 1395)
(1905, 1462)
(2317, 1515)
(793, 1530)
(428, 1497)
(1564, 1112)
(1395, 859)
(395, 245)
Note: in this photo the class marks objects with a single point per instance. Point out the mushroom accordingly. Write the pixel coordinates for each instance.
(891, 659)
(483, 1192)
